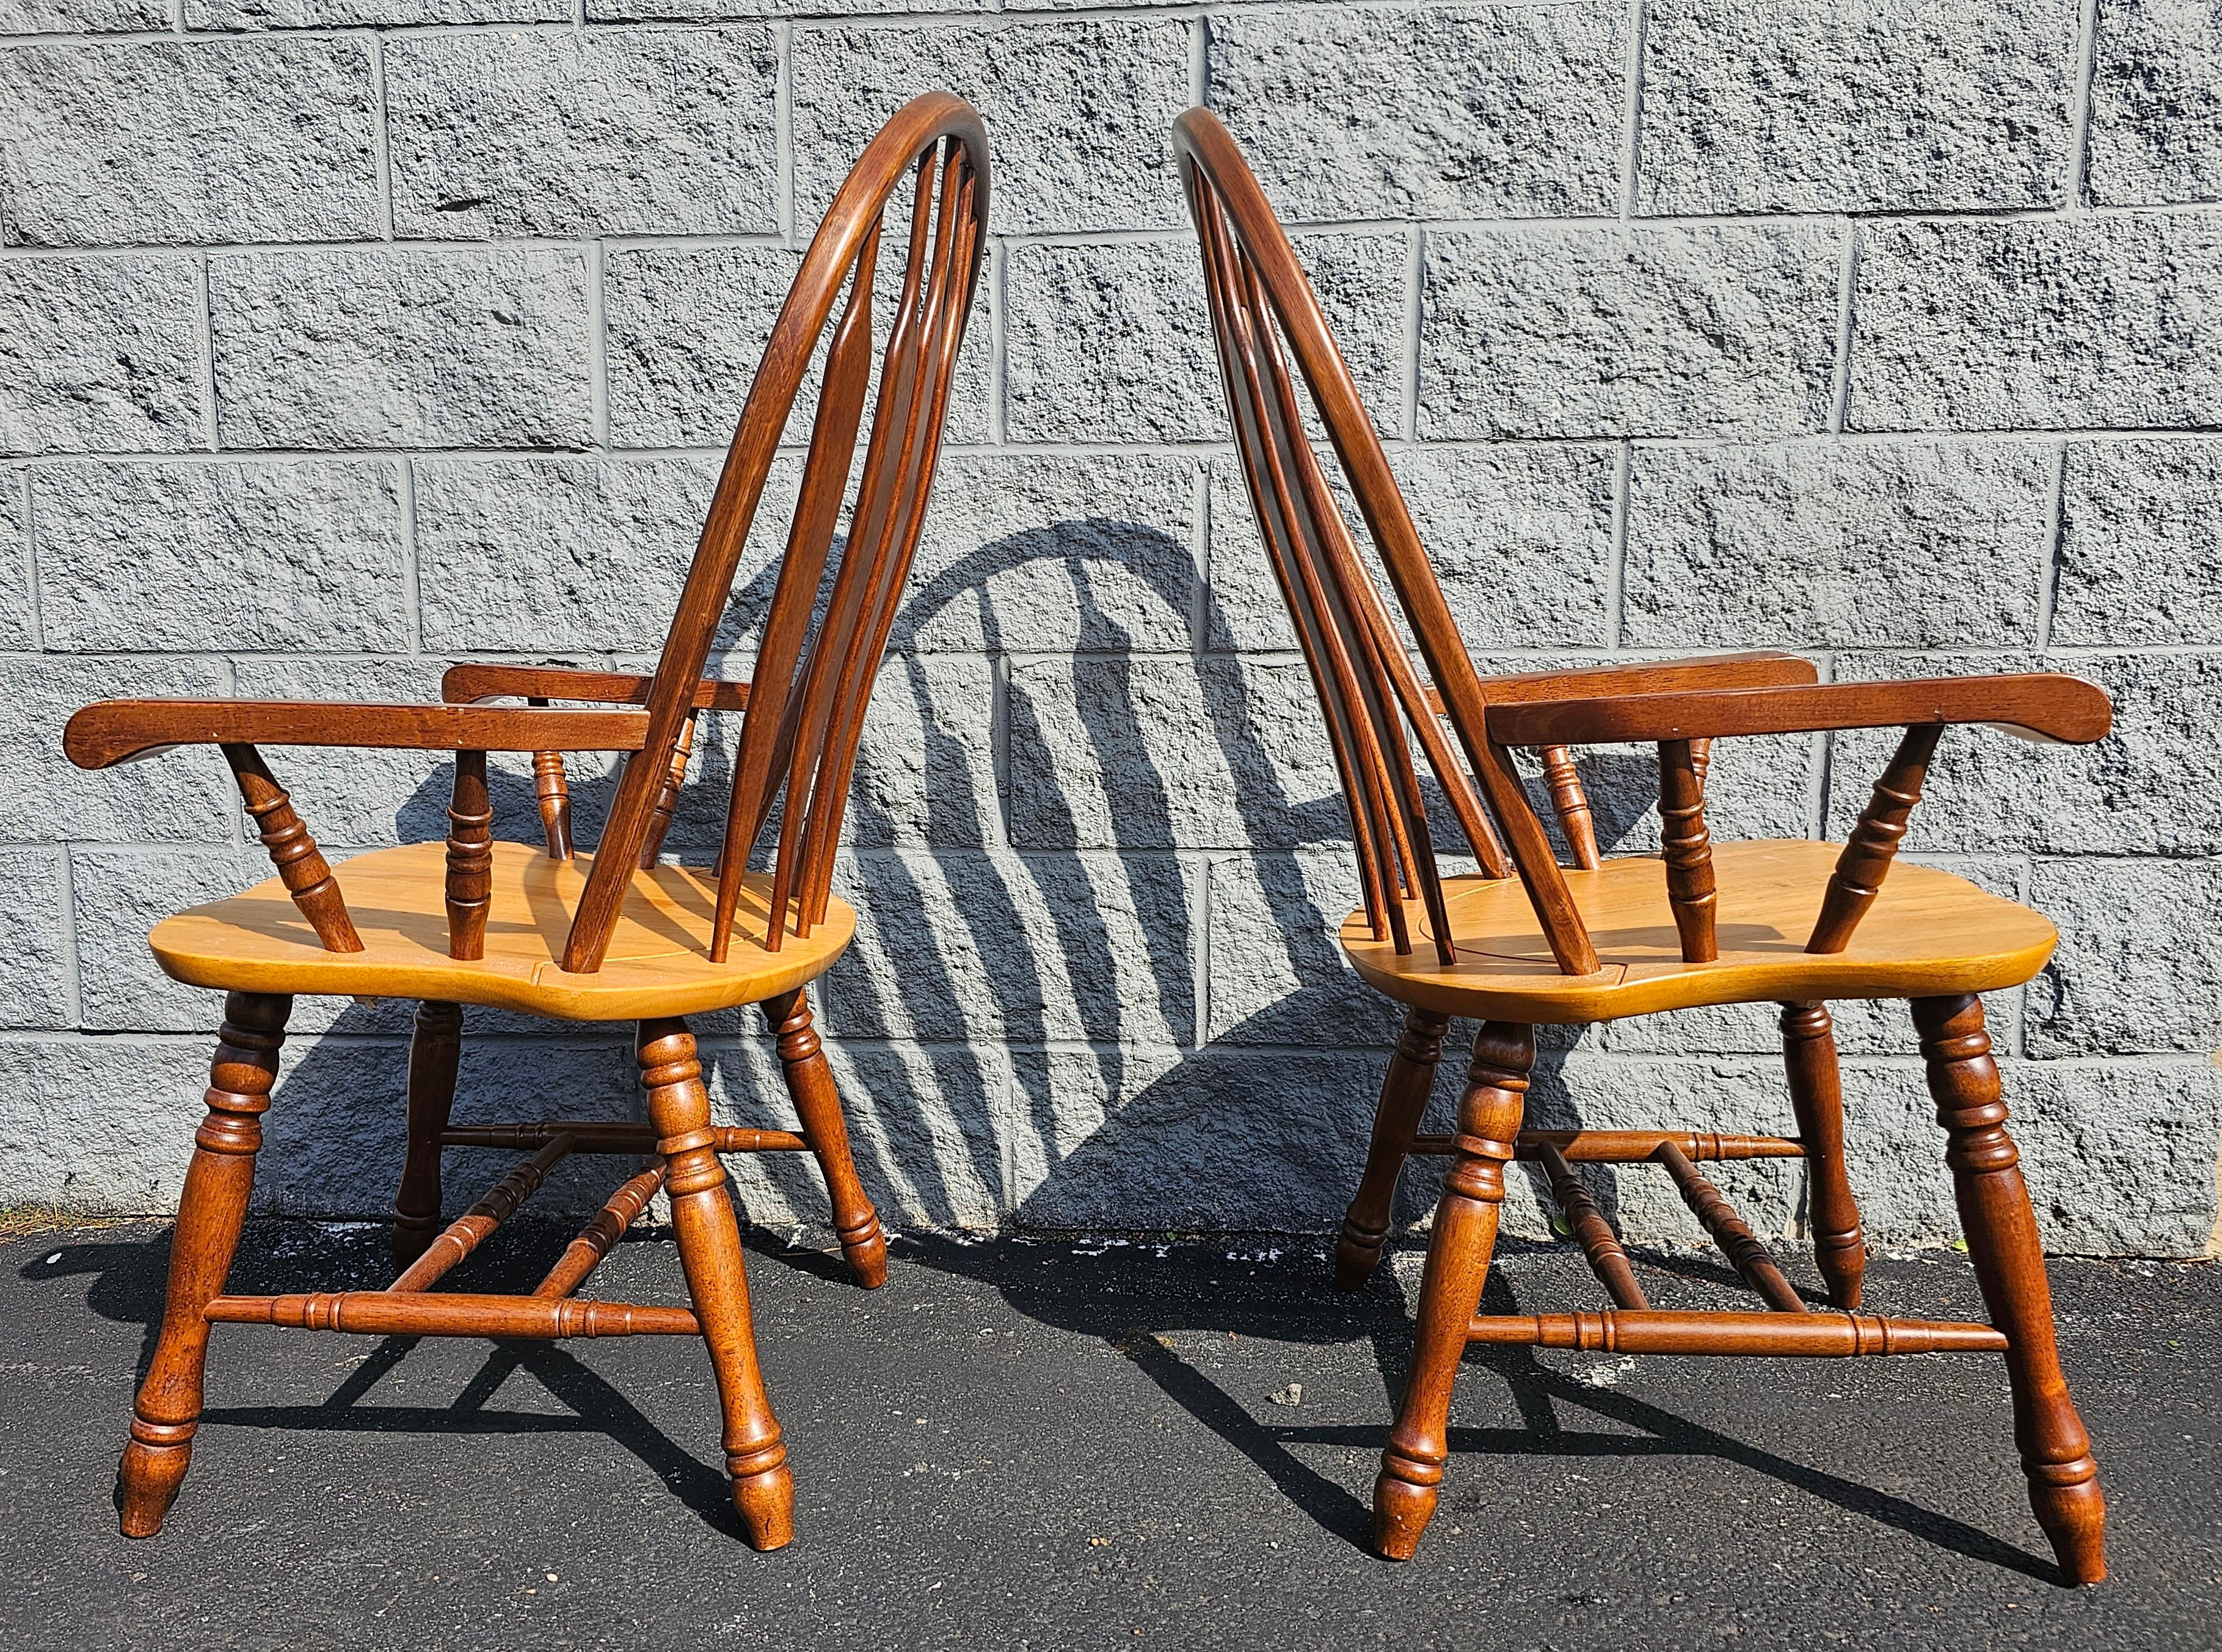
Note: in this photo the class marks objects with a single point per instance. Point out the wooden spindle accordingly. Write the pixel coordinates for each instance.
(396, 1313)
(1817, 1093)
(1737, 1242)
(301, 865)
(435, 1049)
(1688, 852)
(552, 792)
(1592, 1231)
(1874, 842)
(1634, 1147)
(468, 1231)
(470, 857)
(667, 801)
(599, 1236)
(1572, 804)
(1826, 1335)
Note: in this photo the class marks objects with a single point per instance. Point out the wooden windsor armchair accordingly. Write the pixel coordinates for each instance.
(1529, 942)
(613, 936)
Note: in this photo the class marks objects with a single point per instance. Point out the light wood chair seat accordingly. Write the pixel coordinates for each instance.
(658, 962)
(1929, 933)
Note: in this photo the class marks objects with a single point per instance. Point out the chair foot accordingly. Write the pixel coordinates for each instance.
(764, 1499)
(866, 1247)
(818, 1104)
(147, 1484)
(1357, 1253)
(1404, 1495)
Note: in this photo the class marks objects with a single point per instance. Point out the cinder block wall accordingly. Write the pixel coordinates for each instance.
(340, 339)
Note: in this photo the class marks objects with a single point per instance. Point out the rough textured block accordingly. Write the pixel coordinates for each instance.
(997, 947)
(182, 796)
(1428, 111)
(2038, 324)
(1112, 342)
(1055, 552)
(1648, 331)
(2139, 958)
(81, 16)
(1520, 540)
(99, 353)
(402, 349)
(2141, 544)
(570, 133)
(15, 629)
(1083, 113)
(367, 14)
(1813, 546)
(627, 11)
(188, 141)
(686, 330)
(1277, 975)
(1116, 753)
(194, 556)
(34, 939)
(1856, 105)
(2156, 103)
(2147, 788)
(1215, 1140)
(2119, 1157)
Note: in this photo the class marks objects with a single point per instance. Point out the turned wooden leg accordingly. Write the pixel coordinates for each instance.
(810, 1081)
(710, 1250)
(1450, 1288)
(2002, 1241)
(217, 1182)
(1404, 1092)
(1809, 1053)
(435, 1048)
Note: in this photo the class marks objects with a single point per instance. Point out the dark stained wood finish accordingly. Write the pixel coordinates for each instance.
(307, 876)
(2041, 705)
(803, 719)
(1728, 910)
(1873, 841)
(2009, 1258)
(1809, 1055)
(1688, 851)
(1404, 1092)
(435, 1049)
(168, 1410)
(710, 1250)
(810, 1085)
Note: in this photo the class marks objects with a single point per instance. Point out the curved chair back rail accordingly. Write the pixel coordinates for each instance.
(805, 708)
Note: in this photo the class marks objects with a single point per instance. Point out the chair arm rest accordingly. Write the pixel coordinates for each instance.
(475, 680)
(2036, 706)
(114, 731)
(1762, 669)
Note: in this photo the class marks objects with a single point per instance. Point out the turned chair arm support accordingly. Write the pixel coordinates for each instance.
(2042, 706)
(111, 731)
(475, 681)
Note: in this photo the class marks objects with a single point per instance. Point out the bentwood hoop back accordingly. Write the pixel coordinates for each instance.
(1795, 923)
(617, 935)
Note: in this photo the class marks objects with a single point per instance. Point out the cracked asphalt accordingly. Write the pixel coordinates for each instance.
(1052, 1444)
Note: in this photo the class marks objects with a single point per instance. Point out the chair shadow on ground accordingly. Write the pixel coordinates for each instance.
(934, 1136)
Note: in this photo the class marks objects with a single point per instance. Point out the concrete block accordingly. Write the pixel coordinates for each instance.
(253, 14)
(1082, 110)
(100, 354)
(1055, 552)
(1912, 543)
(1644, 331)
(1112, 342)
(568, 133)
(36, 939)
(81, 16)
(1428, 111)
(2044, 323)
(974, 947)
(286, 554)
(2156, 104)
(2139, 960)
(182, 796)
(348, 350)
(188, 141)
(2140, 544)
(1856, 105)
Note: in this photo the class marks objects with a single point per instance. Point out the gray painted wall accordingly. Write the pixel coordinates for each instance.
(342, 338)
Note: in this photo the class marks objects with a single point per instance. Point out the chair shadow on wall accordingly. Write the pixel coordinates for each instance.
(1198, 1118)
